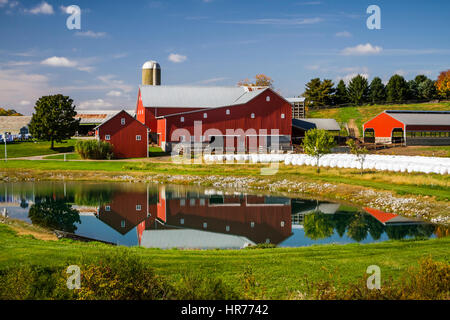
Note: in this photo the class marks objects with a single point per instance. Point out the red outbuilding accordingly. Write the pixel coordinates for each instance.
(409, 127)
(243, 118)
(128, 136)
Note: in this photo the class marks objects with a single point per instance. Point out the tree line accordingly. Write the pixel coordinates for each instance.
(359, 91)
(9, 112)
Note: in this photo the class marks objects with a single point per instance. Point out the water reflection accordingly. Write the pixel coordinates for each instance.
(186, 217)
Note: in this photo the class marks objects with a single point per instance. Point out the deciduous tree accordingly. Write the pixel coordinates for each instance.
(443, 84)
(53, 119)
(318, 142)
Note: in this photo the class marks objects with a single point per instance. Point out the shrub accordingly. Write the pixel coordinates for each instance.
(202, 287)
(430, 281)
(94, 149)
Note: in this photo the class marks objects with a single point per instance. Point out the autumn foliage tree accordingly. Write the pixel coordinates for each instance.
(443, 84)
(261, 80)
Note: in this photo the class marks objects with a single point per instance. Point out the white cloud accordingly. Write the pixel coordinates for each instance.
(401, 72)
(97, 103)
(343, 34)
(17, 87)
(212, 80)
(114, 93)
(3, 3)
(362, 49)
(113, 83)
(177, 58)
(59, 62)
(91, 34)
(24, 103)
(43, 8)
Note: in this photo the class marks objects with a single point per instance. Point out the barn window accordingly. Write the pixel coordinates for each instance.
(181, 221)
(205, 225)
(202, 202)
(182, 119)
(205, 115)
(228, 111)
(107, 208)
(122, 223)
(282, 116)
(122, 121)
(227, 228)
(268, 98)
(282, 224)
(252, 224)
(138, 138)
(192, 202)
(108, 137)
(138, 207)
(182, 202)
(252, 116)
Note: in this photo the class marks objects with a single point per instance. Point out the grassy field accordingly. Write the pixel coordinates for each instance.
(279, 271)
(29, 149)
(69, 156)
(365, 113)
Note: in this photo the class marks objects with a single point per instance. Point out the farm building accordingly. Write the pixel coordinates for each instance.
(409, 127)
(242, 117)
(89, 119)
(128, 136)
(15, 125)
(298, 107)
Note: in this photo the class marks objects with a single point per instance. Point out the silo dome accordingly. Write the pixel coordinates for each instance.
(151, 65)
(151, 73)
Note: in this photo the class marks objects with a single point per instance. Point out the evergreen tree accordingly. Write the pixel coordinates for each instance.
(319, 93)
(396, 89)
(413, 90)
(420, 78)
(341, 95)
(427, 90)
(54, 119)
(358, 89)
(377, 91)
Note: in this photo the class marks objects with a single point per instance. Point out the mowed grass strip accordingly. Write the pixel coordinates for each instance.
(39, 148)
(280, 270)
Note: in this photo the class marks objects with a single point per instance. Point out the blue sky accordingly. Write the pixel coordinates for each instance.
(210, 42)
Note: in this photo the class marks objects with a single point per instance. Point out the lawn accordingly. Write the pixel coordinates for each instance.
(364, 113)
(29, 149)
(280, 270)
(69, 156)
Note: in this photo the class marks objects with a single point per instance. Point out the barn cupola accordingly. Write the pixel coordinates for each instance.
(151, 74)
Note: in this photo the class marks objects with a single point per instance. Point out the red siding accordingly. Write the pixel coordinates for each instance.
(383, 124)
(123, 137)
(267, 116)
(161, 129)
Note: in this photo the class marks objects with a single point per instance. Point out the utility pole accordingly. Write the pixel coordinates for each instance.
(6, 153)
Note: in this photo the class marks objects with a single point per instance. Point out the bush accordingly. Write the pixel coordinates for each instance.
(94, 149)
(196, 287)
(430, 281)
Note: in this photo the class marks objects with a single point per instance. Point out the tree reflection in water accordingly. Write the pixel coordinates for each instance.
(53, 213)
(358, 226)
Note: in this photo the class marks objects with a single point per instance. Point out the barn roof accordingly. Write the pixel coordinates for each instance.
(316, 123)
(113, 115)
(195, 97)
(13, 124)
(97, 116)
(421, 118)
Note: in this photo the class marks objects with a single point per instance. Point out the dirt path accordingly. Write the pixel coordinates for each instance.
(354, 128)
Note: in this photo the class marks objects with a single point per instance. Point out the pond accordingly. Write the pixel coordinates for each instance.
(167, 216)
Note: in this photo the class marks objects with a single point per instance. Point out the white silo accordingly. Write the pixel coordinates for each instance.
(151, 74)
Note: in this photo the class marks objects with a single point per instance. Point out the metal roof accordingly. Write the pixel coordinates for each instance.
(296, 99)
(110, 116)
(195, 97)
(98, 116)
(13, 124)
(421, 118)
(316, 123)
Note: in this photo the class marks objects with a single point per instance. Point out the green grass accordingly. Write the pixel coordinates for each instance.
(280, 270)
(69, 156)
(364, 113)
(29, 149)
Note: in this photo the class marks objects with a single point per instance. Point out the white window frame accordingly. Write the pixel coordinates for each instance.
(205, 225)
(123, 223)
(252, 116)
(181, 221)
(182, 119)
(138, 136)
(268, 98)
(205, 115)
(138, 207)
(107, 208)
(228, 112)
(107, 137)
(283, 116)
(122, 121)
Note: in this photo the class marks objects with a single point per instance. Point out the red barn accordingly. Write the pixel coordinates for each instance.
(239, 116)
(128, 136)
(409, 127)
